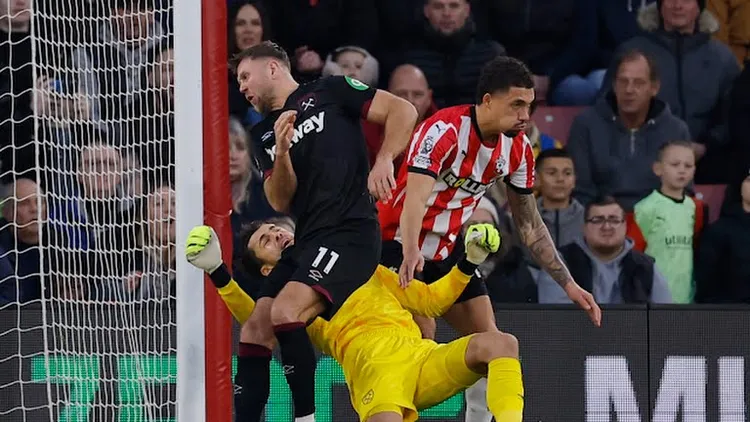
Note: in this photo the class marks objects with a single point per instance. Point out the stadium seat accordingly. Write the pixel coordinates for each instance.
(713, 196)
(555, 121)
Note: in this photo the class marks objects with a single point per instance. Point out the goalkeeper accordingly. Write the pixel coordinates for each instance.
(390, 370)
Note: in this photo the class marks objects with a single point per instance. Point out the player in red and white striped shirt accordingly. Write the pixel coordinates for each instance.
(454, 156)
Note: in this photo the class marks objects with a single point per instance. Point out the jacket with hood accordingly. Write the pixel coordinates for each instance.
(611, 159)
(564, 225)
(722, 268)
(631, 277)
(696, 73)
(452, 63)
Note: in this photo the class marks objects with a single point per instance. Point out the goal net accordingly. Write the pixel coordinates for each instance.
(90, 237)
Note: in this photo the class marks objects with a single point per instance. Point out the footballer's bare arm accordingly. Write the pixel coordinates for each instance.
(399, 118)
(282, 183)
(534, 234)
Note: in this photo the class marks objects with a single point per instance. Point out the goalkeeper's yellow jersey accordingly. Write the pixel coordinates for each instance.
(379, 307)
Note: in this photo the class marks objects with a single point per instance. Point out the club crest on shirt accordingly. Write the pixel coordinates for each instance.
(500, 164)
(428, 143)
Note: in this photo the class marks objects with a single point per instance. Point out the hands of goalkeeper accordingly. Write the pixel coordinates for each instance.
(481, 240)
(202, 249)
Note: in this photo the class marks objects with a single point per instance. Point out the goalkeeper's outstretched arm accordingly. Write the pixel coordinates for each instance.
(433, 300)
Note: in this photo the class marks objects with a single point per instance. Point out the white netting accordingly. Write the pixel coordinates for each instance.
(87, 239)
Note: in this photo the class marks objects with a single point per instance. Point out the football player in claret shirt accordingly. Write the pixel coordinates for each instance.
(390, 370)
(314, 157)
(454, 156)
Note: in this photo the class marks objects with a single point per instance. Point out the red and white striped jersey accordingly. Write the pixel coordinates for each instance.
(448, 147)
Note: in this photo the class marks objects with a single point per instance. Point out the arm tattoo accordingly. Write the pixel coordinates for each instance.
(534, 234)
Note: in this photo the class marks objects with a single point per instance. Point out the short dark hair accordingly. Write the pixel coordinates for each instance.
(501, 74)
(601, 201)
(633, 55)
(247, 261)
(675, 143)
(266, 49)
(552, 153)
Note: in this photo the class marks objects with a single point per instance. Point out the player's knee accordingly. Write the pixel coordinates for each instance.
(492, 345)
(254, 331)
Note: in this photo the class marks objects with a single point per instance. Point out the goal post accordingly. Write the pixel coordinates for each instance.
(210, 45)
(204, 389)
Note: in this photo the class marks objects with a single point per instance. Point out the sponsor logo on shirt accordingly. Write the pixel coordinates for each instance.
(465, 183)
(315, 123)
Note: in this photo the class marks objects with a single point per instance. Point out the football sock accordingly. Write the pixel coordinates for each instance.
(476, 403)
(298, 361)
(252, 382)
(308, 418)
(505, 390)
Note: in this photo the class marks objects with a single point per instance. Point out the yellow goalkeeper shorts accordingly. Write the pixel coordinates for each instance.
(404, 374)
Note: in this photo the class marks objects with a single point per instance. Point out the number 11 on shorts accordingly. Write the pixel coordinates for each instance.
(322, 252)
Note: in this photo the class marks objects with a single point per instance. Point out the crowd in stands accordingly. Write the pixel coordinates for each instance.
(659, 91)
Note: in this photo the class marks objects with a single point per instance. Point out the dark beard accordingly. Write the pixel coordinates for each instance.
(511, 133)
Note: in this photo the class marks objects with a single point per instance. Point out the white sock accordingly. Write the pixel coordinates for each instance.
(476, 402)
(308, 418)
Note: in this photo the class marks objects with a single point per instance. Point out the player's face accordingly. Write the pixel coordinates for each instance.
(677, 167)
(511, 109)
(255, 77)
(605, 228)
(268, 242)
(556, 178)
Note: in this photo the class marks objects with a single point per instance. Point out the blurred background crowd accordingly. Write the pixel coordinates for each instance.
(640, 130)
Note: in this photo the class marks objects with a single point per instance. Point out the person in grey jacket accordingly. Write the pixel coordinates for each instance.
(698, 70)
(615, 142)
(604, 262)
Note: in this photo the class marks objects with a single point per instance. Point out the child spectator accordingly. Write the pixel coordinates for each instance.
(667, 223)
(354, 62)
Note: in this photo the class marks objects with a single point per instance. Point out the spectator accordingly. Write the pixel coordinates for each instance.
(614, 143)
(449, 52)
(106, 212)
(556, 178)
(111, 69)
(668, 223)
(20, 233)
(734, 25)
(248, 199)
(605, 264)
(698, 74)
(409, 83)
(354, 62)
(16, 81)
(310, 30)
(155, 274)
(739, 123)
(722, 268)
(148, 137)
(562, 215)
(557, 39)
(617, 24)
(248, 25)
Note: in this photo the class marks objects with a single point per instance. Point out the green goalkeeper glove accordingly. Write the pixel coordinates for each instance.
(481, 240)
(202, 249)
